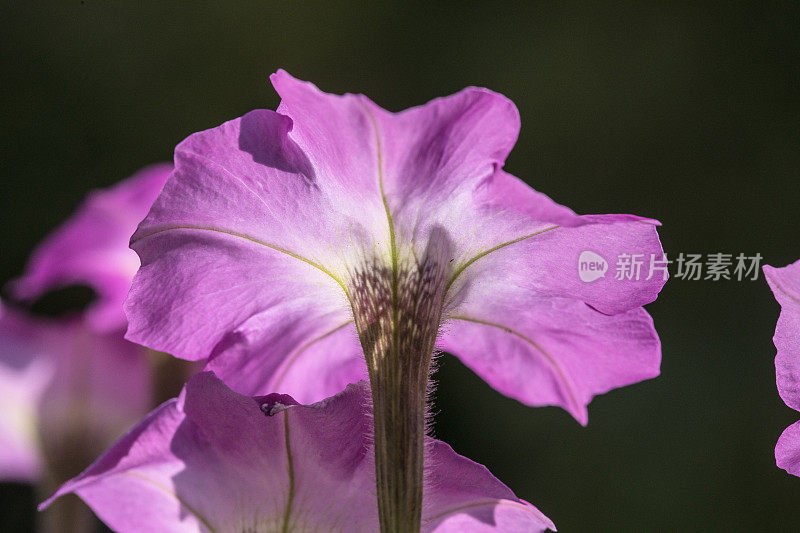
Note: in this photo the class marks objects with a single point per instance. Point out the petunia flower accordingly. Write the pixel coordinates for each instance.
(70, 387)
(66, 392)
(91, 248)
(216, 460)
(785, 285)
(59, 376)
(291, 244)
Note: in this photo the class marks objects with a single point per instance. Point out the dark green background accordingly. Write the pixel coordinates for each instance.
(685, 113)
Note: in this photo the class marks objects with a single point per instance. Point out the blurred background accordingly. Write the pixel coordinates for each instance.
(684, 113)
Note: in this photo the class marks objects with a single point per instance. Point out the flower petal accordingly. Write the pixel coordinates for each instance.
(250, 178)
(244, 224)
(553, 351)
(219, 283)
(312, 371)
(462, 495)
(101, 386)
(264, 469)
(271, 463)
(785, 284)
(508, 194)
(440, 150)
(68, 391)
(787, 450)
(337, 136)
(92, 247)
(423, 164)
(24, 376)
(542, 258)
(433, 160)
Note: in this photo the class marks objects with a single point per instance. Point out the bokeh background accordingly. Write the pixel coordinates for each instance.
(685, 113)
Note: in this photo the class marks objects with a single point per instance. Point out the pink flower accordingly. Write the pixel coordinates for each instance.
(785, 284)
(67, 393)
(215, 460)
(289, 243)
(70, 387)
(92, 247)
(272, 221)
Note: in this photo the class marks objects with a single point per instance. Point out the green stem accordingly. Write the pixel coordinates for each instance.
(397, 311)
(399, 384)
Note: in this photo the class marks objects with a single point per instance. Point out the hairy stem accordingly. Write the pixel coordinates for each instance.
(397, 313)
(398, 398)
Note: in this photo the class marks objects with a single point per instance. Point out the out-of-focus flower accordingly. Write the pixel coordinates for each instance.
(215, 460)
(91, 248)
(70, 387)
(67, 393)
(785, 285)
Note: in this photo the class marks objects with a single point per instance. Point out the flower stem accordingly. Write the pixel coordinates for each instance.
(398, 398)
(397, 313)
